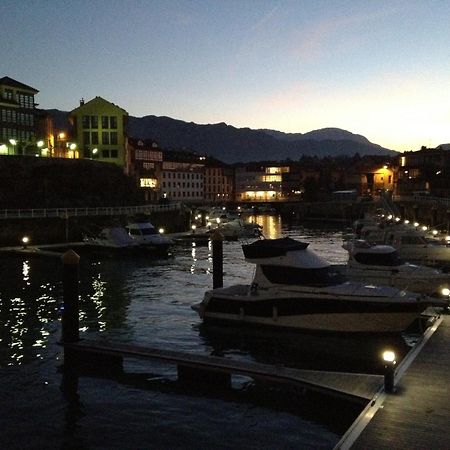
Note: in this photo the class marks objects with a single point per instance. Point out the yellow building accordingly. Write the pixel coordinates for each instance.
(99, 130)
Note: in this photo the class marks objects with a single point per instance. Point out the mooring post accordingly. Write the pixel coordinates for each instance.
(217, 254)
(70, 312)
(389, 371)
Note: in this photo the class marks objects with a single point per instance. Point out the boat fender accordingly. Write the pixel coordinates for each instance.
(254, 289)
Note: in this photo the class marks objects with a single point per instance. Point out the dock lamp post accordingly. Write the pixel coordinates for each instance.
(446, 293)
(25, 242)
(389, 371)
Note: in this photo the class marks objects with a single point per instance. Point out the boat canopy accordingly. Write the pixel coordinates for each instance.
(269, 248)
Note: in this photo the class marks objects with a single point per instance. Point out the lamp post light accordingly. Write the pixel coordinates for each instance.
(446, 293)
(25, 242)
(389, 371)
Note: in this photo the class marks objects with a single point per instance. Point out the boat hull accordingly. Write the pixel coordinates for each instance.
(309, 312)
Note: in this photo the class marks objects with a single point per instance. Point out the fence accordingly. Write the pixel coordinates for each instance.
(83, 212)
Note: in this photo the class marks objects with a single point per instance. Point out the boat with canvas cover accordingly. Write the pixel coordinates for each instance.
(381, 264)
(294, 288)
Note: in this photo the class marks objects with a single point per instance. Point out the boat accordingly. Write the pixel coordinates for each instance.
(294, 288)
(413, 245)
(381, 264)
(145, 234)
(111, 241)
(237, 228)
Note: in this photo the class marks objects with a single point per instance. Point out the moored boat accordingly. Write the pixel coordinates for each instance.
(381, 264)
(145, 234)
(294, 288)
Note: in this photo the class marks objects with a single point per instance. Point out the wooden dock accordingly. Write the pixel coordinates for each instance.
(351, 386)
(50, 250)
(417, 415)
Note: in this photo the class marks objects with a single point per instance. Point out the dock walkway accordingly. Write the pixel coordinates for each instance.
(417, 415)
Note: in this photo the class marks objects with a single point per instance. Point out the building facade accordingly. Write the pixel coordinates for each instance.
(182, 177)
(260, 183)
(144, 163)
(219, 182)
(20, 120)
(99, 131)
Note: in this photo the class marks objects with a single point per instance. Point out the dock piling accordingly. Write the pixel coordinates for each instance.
(217, 254)
(70, 313)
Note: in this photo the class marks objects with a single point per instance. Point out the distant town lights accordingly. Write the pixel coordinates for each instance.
(161, 231)
(424, 228)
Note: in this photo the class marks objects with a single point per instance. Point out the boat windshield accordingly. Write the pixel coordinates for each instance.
(324, 276)
(149, 231)
(378, 259)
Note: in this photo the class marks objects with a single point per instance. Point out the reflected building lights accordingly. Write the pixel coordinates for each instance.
(99, 287)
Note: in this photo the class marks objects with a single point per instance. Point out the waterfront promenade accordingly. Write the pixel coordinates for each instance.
(417, 415)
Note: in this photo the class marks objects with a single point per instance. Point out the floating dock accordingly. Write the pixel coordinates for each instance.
(351, 386)
(417, 414)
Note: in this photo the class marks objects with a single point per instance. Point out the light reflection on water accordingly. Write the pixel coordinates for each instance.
(149, 302)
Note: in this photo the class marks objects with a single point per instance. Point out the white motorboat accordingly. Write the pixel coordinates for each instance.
(294, 288)
(381, 264)
(145, 234)
(412, 244)
(111, 241)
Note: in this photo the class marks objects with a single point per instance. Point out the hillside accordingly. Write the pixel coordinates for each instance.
(231, 144)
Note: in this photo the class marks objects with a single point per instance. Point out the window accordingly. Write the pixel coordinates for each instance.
(94, 138)
(114, 153)
(113, 137)
(94, 121)
(86, 137)
(8, 94)
(86, 122)
(105, 138)
(113, 122)
(105, 122)
(105, 153)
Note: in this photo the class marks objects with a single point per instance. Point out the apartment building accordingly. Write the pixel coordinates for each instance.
(99, 130)
(144, 163)
(20, 120)
(182, 177)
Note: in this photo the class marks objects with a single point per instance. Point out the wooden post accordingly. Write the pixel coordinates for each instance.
(217, 251)
(70, 314)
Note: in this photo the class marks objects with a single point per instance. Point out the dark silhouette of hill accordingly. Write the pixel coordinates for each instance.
(231, 144)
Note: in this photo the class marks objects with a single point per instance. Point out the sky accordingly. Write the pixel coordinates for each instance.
(376, 68)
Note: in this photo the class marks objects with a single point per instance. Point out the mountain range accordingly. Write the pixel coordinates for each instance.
(231, 144)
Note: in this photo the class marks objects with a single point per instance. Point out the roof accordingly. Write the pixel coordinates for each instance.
(6, 81)
(97, 99)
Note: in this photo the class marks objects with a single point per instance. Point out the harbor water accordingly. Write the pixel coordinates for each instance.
(148, 302)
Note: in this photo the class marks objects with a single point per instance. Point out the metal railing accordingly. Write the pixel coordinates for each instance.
(65, 213)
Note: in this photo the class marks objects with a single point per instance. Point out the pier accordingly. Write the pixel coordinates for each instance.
(416, 415)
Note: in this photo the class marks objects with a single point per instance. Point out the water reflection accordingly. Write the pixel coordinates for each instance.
(271, 225)
(313, 351)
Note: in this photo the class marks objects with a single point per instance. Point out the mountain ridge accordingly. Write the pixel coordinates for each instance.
(231, 145)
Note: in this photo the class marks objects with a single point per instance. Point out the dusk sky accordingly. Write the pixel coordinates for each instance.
(380, 69)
